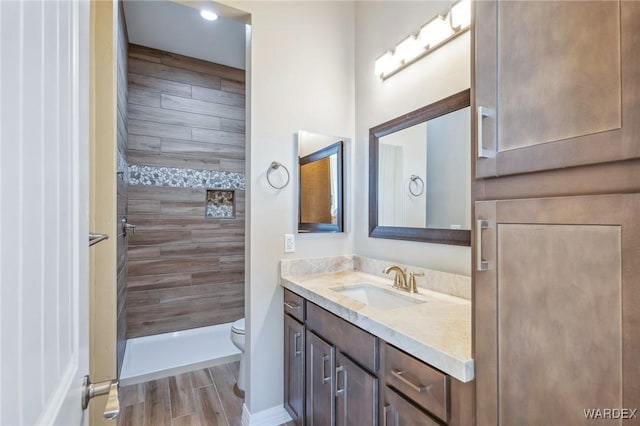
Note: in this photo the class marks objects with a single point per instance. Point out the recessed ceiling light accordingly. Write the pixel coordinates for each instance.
(208, 15)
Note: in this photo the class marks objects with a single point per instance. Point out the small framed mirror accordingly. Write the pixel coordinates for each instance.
(420, 174)
(320, 183)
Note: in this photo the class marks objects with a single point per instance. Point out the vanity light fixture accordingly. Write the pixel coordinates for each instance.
(208, 15)
(435, 33)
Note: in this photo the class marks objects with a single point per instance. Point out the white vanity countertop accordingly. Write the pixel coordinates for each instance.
(437, 332)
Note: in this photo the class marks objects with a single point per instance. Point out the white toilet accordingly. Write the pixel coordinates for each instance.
(237, 337)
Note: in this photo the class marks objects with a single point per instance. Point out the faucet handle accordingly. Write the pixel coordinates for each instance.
(413, 285)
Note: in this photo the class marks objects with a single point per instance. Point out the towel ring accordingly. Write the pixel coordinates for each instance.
(412, 180)
(274, 166)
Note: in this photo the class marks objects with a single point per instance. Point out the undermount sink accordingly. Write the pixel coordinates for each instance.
(377, 297)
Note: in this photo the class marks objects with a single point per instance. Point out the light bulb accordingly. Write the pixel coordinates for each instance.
(385, 64)
(409, 49)
(208, 15)
(435, 32)
(461, 14)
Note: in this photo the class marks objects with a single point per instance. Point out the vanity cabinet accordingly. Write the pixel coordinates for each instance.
(341, 380)
(352, 378)
(294, 357)
(321, 361)
(551, 94)
(423, 385)
(398, 411)
(294, 360)
(356, 394)
(414, 393)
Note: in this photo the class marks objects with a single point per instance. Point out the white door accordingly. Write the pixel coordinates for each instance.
(44, 207)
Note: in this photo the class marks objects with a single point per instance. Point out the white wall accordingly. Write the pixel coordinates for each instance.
(379, 26)
(301, 77)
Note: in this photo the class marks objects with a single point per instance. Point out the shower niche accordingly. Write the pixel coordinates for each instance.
(220, 204)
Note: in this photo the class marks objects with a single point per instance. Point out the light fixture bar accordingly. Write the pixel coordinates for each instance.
(434, 34)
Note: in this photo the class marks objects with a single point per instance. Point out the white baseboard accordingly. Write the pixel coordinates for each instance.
(273, 416)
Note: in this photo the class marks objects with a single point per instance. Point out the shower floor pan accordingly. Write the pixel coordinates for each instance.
(163, 355)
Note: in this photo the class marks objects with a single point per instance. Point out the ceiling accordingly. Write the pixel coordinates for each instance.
(176, 28)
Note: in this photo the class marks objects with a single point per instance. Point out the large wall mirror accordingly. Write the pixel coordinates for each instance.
(320, 183)
(420, 174)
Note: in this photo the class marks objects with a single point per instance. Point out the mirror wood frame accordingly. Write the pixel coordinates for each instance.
(459, 237)
(304, 227)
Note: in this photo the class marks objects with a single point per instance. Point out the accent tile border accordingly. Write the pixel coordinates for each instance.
(184, 178)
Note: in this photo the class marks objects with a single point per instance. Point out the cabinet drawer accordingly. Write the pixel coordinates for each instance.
(353, 341)
(397, 411)
(294, 305)
(422, 384)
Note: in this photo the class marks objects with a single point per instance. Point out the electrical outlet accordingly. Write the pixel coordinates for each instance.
(289, 243)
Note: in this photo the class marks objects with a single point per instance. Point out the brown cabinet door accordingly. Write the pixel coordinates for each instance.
(397, 411)
(356, 394)
(554, 335)
(320, 401)
(294, 369)
(558, 83)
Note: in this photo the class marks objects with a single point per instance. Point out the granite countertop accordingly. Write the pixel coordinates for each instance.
(437, 331)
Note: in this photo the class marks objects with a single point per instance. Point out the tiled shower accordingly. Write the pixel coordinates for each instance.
(182, 150)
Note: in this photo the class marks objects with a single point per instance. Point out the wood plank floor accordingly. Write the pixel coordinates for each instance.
(198, 398)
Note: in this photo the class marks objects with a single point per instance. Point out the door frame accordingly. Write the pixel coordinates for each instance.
(102, 199)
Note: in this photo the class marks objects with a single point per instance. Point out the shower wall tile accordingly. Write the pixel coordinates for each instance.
(186, 134)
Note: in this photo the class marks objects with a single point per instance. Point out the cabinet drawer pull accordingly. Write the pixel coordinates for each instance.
(483, 112)
(399, 374)
(385, 414)
(340, 392)
(482, 265)
(291, 305)
(325, 378)
(296, 351)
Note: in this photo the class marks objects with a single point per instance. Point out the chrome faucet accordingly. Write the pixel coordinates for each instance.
(400, 280)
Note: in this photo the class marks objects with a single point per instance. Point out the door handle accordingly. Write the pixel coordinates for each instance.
(110, 387)
(96, 238)
(483, 112)
(482, 265)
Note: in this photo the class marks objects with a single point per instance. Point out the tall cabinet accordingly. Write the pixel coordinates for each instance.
(557, 208)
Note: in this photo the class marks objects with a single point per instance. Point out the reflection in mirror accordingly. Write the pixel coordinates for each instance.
(424, 174)
(320, 204)
(420, 174)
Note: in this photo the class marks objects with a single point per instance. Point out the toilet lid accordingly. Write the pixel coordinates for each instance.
(238, 326)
